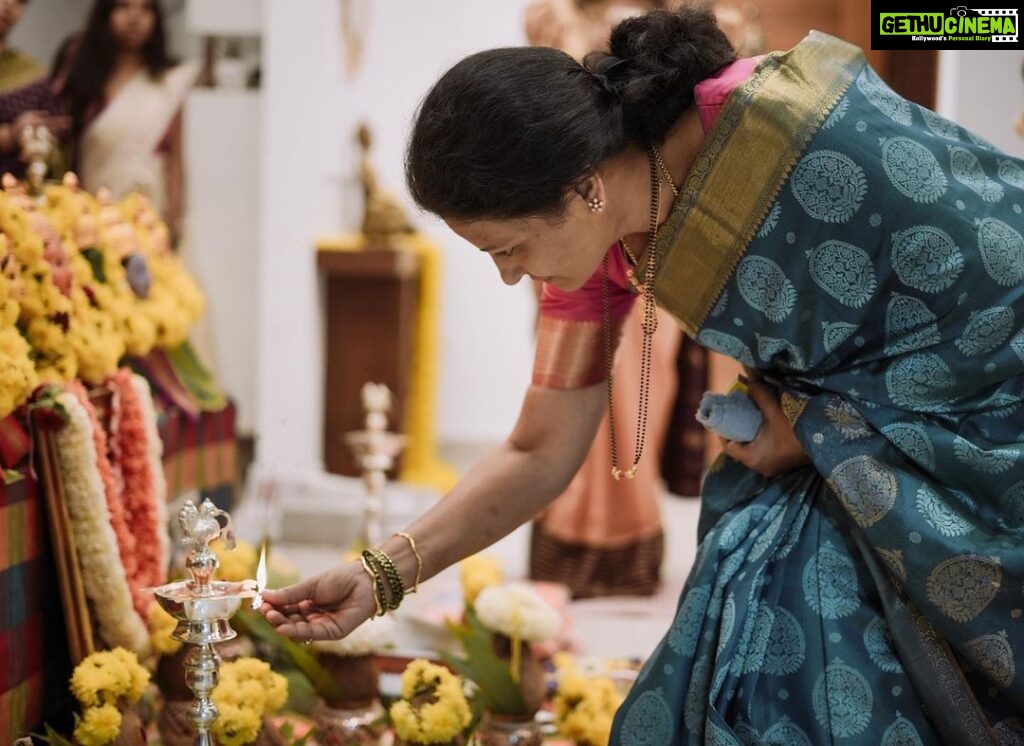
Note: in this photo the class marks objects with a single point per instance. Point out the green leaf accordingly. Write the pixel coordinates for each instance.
(95, 259)
(301, 656)
(498, 692)
(52, 737)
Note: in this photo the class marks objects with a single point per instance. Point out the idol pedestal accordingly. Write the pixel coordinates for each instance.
(372, 303)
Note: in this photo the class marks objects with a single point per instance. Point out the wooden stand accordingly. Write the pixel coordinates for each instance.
(372, 299)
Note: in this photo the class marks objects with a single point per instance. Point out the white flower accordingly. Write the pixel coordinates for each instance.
(516, 609)
(369, 637)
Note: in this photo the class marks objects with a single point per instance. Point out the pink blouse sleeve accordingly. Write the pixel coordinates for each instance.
(570, 333)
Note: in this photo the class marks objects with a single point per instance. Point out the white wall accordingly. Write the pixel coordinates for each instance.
(222, 149)
(983, 90)
(309, 164)
(46, 24)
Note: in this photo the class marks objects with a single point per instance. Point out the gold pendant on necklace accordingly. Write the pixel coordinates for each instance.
(629, 473)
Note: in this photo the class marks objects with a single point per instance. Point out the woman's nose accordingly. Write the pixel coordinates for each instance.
(510, 271)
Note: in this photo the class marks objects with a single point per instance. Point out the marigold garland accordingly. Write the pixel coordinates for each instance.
(85, 327)
(126, 543)
(98, 546)
(155, 456)
(130, 441)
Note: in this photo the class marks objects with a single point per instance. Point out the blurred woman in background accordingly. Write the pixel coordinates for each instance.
(125, 96)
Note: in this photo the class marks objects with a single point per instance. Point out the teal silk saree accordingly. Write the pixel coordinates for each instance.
(865, 256)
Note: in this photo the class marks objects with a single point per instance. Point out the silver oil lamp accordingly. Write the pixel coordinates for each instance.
(375, 450)
(203, 605)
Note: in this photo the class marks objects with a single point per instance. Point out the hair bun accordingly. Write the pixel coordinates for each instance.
(612, 73)
(665, 55)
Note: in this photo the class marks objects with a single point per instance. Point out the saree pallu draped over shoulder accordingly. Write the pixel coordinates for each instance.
(864, 256)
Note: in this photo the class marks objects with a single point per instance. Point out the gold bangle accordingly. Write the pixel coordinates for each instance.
(388, 578)
(419, 560)
(373, 585)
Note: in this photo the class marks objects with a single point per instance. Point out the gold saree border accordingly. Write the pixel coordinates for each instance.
(762, 131)
(570, 353)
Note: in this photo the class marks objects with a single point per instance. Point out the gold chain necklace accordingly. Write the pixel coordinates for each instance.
(665, 172)
(675, 193)
(648, 321)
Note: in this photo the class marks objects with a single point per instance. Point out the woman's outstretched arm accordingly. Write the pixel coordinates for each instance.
(502, 491)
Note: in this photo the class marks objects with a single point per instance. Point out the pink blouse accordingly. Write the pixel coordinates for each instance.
(570, 335)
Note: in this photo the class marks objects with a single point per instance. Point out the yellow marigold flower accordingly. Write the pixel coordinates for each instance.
(99, 726)
(237, 726)
(584, 708)
(478, 572)
(249, 668)
(276, 691)
(406, 721)
(252, 684)
(94, 680)
(443, 717)
(137, 677)
(161, 625)
(238, 563)
(421, 674)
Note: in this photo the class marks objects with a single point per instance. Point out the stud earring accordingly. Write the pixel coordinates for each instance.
(596, 204)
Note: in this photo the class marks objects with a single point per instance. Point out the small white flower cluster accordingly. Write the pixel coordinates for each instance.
(516, 610)
(369, 637)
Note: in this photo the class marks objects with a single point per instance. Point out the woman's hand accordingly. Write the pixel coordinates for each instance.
(325, 607)
(775, 449)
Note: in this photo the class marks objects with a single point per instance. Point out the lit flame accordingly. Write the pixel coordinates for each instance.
(261, 578)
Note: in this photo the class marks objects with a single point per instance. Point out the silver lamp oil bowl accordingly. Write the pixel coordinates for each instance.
(203, 605)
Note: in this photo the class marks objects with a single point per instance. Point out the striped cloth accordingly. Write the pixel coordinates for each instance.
(196, 423)
(200, 454)
(31, 620)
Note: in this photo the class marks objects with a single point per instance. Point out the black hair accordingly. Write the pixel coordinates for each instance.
(97, 53)
(505, 133)
(64, 56)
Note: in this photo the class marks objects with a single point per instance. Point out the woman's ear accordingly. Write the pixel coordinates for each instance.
(591, 190)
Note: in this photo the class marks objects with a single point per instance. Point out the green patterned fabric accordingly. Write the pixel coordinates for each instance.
(875, 597)
(197, 379)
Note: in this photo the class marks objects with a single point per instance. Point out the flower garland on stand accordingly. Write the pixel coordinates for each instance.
(105, 546)
(137, 449)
